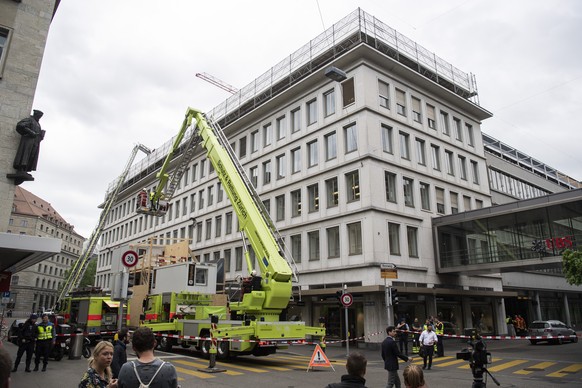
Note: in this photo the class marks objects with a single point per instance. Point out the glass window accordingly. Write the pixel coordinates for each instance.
(255, 141)
(332, 192)
(458, 129)
(348, 92)
(313, 238)
(440, 200)
(445, 123)
(281, 166)
(390, 182)
(254, 174)
(425, 196)
(436, 157)
(416, 115)
(267, 134)
(351, 136)
(295, 160)
(475, 169)
(463, 167)
(238, 258)
(466, 203)
(281, 128)
(227, 258)
(217, 226)
(400, 102)
(333, 242)
(430, 116)
(4, 40)
(296, 203)
(330, 146)
(313, 197)
(355, 238)
(404, 146)
(267, 205)
(208, 229)
(296, 247)
(198, 231)
(454, 202)
(387, 143)
(353, 186)
(280, 203)
(200, 199)
(470, 136)
(228, 223)
(312, 112)
(295, 120)
(329, 101)
(267, 172)
(420, 153)
(210, 191)
(449, 159)
(412, 234)
(408, 185)
(202, 168)
(312, 153)
(243, 147)
(394, 238)
(384, 94)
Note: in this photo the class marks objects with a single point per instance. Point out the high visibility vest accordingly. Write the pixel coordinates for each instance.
(44, 332)
(439, 329)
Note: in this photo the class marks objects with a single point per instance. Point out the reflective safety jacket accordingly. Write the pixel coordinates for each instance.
(45, 332)
(439, 328)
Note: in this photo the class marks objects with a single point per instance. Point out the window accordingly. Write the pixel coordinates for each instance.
(436, 157)
(440, 200)
(4, 41)
(198, 231)
(424, 196)
(390, 182)
(280, 203)
(400, 102)
(238, 258)
(394, 238)
(194, 172)
(351, 136)
(296, 248)
(420, 154)
(313, 197)
(349, 96)
(475, 169)
(466, 203)
(333, 242)
(219, 192)
(254, 174)
(331, 189)
(463, 167)
(208, 229)
(312, 154)
(184, 208)
(387, 142)
(454, 202)
(384, 94)
(430, 116)
(458, 129)
(312, 112)
(295, 120)
(313, 241)
(408, 186)
(267, 134)
(412, 235)
(329, 103)
(267, 172)
(242, 152)
(295, 160)
(353, 186)
(404, 146)
(449, 159)
(202, 168)
(281, 128)
(227, 257)
(355, 238)
(255, 141)
(296, 203)
(445, 123)
(281, 166)
(200, 199)
(470, 136)
(330, 146)
(228, 223)
(416, 115)
(217, 226)
(267, 205)
(478, 204)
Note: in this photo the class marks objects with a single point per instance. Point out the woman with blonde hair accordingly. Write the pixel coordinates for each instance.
(99, 374)
(413, 377)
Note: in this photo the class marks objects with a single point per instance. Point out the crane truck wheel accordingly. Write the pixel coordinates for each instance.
(222, 350)
(165, 344)
(185, 345)
(205, 348)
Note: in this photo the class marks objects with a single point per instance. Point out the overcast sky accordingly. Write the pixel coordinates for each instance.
(116, 73)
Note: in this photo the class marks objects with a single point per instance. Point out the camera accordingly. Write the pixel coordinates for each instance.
(478, 358)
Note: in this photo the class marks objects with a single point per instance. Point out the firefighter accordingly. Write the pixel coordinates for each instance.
(439, 330)
(45, 338)
(26, 338)
(417, 328)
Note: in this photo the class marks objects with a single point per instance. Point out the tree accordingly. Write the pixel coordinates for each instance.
(88, 277)
(572, 266)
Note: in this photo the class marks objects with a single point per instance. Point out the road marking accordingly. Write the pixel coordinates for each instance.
(495, 360)
(449, 363)
(537, 367)
(507, 365)
(201, 375)
(200, 365)
(566, 371)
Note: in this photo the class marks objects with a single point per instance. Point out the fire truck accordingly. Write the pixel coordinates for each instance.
(251, 324)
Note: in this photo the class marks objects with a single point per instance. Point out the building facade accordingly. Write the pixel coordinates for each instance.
(36, 288)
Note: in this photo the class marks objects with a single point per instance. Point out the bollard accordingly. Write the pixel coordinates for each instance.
(213, 348)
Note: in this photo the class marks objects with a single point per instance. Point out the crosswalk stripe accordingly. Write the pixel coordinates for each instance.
(494, 360)
(566, 371)
(537, 367)
(450, 363)
(200, 365)
(201, 375)
(506, 365)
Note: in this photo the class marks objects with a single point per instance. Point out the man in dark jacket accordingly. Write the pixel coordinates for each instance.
(119, 352)
(356, 367)
(25, 341)
(390, 355)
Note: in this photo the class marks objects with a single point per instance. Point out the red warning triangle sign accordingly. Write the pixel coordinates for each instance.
(318, 358)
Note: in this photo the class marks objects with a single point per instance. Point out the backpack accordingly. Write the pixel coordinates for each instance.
(141, 384)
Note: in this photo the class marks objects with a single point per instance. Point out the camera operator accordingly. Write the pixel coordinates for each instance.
(478, 358)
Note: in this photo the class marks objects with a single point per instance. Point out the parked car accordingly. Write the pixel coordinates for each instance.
(551, 328)
(450, 328)
(14, 328)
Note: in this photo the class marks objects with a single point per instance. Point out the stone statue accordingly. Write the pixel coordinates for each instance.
(27, 154)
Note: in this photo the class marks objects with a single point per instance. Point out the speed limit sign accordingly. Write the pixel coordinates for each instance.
(129, 259)
(347, 299)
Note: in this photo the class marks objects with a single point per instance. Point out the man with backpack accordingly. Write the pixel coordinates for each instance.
(148, 371)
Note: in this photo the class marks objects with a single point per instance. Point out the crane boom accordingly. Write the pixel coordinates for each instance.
(80, 266)
(217, 82)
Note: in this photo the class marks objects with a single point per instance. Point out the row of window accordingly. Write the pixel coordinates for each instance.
(47, 284)
(508, 184)
(48, 269)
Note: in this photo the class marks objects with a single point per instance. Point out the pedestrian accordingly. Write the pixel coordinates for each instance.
(45, 339)
(99, 375)
(417, 328)
(5, 365)
(413, 377)
(402, 329)
(356, 367)
(147, 370)
(390, 355)
(9, 313)
(119, 352)
(25, 341)
(427, 340)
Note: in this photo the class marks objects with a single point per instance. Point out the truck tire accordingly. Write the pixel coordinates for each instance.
(205, 348)
(185, 345)
(223, 350)
(166, 344)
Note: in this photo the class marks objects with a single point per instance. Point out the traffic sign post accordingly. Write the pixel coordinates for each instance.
(129, 259)
(347, 299)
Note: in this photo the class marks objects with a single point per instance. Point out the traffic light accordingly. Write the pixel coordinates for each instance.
(338, 295)
(394, 295)
(127, 282)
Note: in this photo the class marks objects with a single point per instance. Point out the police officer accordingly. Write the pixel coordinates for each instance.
(26, 338)
(44, 341)
(439, 330)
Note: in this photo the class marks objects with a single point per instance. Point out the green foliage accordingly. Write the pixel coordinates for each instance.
(89, 276)
(572, 266)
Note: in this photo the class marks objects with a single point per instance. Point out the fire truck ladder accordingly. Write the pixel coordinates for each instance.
(189, 148)
(78, 269)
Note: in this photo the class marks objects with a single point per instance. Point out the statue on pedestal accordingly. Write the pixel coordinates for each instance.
(27, 154)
